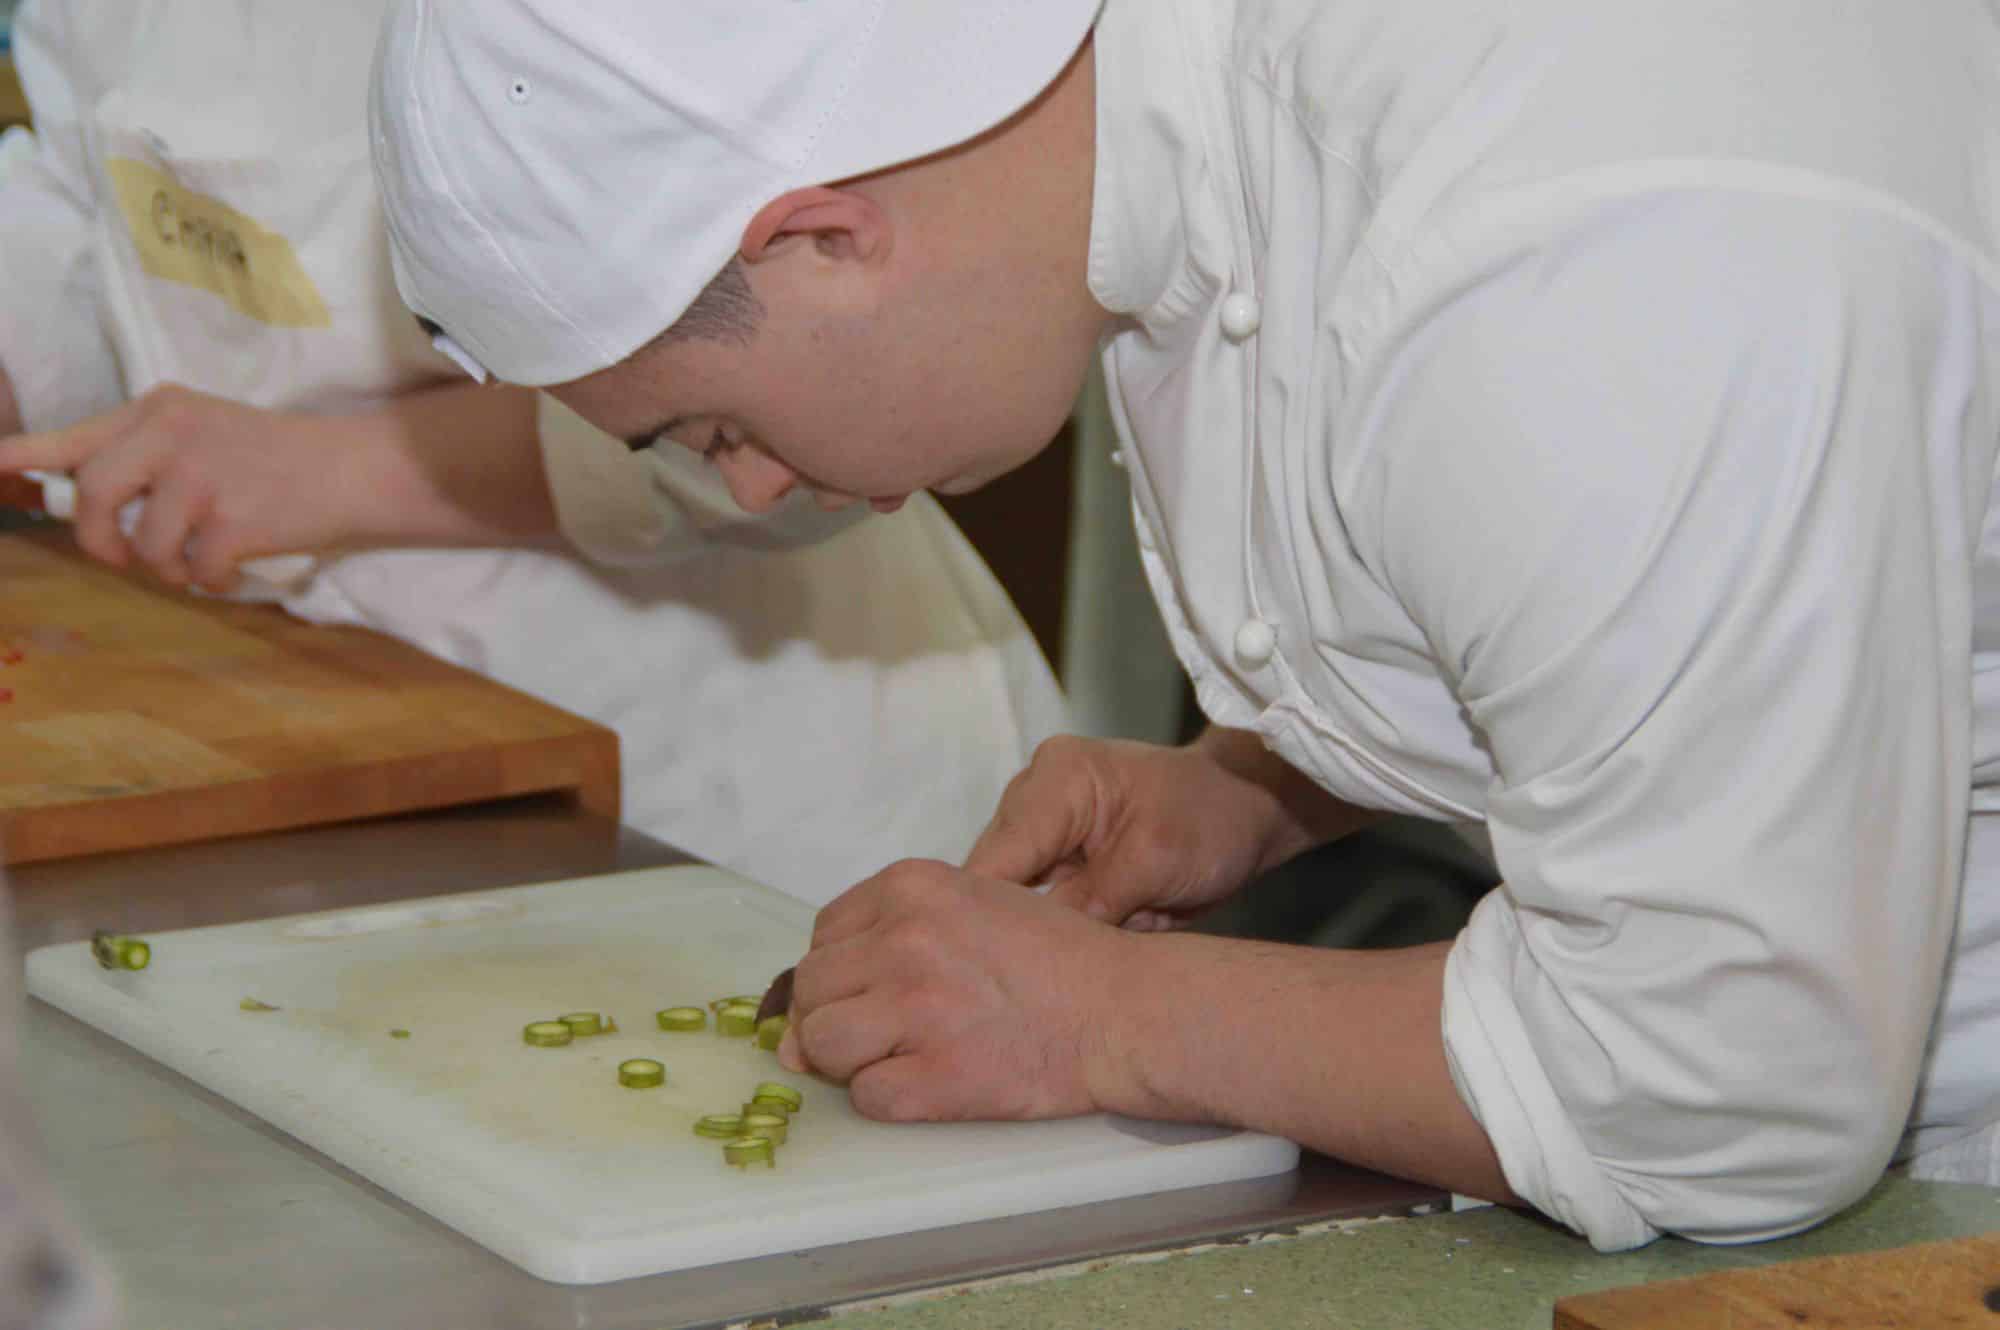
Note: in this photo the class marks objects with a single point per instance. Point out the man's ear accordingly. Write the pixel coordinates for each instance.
(840, 223)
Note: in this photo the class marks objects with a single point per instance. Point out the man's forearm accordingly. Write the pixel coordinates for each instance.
(453, 465)
(1342, 1051)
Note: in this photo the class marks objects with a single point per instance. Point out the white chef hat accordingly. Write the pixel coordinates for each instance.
(561, 178)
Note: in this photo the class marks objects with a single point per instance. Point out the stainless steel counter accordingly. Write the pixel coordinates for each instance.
(212, 1219)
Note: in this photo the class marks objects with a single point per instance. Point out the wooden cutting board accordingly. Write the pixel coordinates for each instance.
(1932, 1286)
(132, 716)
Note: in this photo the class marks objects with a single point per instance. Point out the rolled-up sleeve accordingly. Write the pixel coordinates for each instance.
(629, 509)
(1681, 502)
(54, 340)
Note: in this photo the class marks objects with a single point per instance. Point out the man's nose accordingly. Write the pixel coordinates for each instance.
(757, 481)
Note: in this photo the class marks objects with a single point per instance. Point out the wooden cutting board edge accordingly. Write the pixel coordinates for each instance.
(1927, 1286)
(584, 764)
(552, 750)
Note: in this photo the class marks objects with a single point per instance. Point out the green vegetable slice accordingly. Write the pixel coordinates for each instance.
(771, 1031)
(641, 1073)
(583, 1024)
(116, 952)
(727, 1126)
(717, 1004)
(737, 1018)
(772, 1126)
(547, 1034)
(750, 1150)
(399, 1034)
(784, 1094)
(682, 1019)
(252, 1004)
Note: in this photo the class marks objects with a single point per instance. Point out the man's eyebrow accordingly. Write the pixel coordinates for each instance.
(646, 438)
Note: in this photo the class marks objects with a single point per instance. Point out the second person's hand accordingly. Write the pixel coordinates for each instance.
(222, 483)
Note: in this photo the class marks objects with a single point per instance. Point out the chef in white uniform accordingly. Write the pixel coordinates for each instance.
(1576, 417)
(803, 699)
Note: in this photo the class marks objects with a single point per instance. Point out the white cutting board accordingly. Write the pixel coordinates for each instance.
(539, 1154)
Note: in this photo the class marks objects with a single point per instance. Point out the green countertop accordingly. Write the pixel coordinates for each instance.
(1480, 1269)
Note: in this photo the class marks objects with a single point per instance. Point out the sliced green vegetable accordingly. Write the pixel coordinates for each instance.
(116, 952)
(784, 1094)
(737, 1018)
(717, 1004)
(583, 1024)
(252, 1004)
(682, 1019)
(641, 1073)
(750, 1150)
(547, 1034)
(727, 1126)
(399, 1034)
(771, 1031)
(772, 1126)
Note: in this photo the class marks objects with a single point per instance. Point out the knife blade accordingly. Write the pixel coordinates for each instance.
(777, 998)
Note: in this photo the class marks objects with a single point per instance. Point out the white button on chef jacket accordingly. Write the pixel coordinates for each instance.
(1241, 317)
(1256, 643)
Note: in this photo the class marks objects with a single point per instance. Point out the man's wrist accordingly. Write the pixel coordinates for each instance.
(1120, 1029)
(1302, 815)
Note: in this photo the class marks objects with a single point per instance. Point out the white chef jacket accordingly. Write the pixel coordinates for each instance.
(1582, 417)
(202, 211)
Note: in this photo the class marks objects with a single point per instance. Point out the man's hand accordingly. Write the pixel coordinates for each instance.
(454, 464)
(223, 482)
(1149, 837)
(939, 995)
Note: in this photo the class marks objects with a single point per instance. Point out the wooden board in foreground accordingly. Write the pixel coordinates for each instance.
(131, 716)
(1931, 1286)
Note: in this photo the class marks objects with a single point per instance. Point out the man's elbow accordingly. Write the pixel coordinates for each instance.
(1783, 1177)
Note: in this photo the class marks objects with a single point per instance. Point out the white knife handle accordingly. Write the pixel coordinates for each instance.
(279, 574)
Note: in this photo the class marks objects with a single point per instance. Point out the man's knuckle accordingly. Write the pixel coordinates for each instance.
(170, 409)
(1058, 751)
(911, 881)
(891, 1099)
(912, 940)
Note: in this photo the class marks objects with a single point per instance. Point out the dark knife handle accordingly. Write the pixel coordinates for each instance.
(23, 493)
